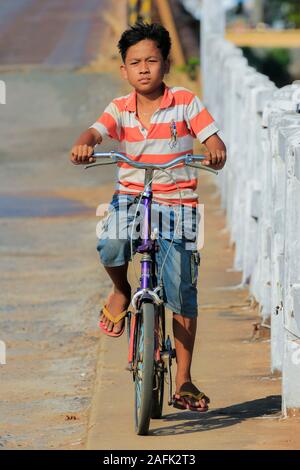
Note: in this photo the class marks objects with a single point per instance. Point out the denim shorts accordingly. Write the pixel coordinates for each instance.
(180, 271)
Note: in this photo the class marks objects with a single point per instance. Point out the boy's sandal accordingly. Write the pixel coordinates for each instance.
(114, 320)
(188, 397)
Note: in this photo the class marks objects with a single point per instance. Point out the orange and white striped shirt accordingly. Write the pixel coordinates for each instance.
(180, 109)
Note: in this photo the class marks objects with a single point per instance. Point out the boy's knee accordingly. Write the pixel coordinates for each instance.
(113, 252)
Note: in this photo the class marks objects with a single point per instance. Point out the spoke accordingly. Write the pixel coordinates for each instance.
(139, 370)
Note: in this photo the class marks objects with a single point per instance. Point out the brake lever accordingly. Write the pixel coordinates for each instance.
(203, 167)
(98, 164)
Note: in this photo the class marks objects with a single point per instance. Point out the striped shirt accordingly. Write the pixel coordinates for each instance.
(182, 115)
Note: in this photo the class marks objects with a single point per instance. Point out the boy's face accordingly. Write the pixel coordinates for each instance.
(144, 66)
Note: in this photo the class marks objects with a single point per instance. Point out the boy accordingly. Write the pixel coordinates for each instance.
(155, 123)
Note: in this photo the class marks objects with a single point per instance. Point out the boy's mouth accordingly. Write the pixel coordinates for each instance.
(144, 80)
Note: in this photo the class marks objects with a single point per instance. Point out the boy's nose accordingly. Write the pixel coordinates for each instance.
(144, 68)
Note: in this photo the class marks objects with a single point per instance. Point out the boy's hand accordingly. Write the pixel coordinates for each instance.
(81, 154)
(215, 159)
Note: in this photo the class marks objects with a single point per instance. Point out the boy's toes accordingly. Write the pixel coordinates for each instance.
(202, 404)
(102, 318)
(105, 321)
(118, 327)
(109, 326)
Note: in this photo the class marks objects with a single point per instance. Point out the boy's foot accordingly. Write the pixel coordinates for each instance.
(189, 397)
(116, 303)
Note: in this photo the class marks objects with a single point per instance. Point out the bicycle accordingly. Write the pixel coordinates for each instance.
(150, 353)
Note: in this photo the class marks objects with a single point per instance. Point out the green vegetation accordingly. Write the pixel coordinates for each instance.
(191, 67)
(272, 62)
(286, 10)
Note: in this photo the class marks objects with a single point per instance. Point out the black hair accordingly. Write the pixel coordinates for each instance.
(140, 31)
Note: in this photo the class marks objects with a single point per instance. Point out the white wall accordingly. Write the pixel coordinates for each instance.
(260, 186)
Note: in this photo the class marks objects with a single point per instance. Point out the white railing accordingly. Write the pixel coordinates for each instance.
(260, 186)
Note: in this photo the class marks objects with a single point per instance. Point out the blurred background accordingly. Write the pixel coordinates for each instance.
(268, 31)
(273, 23)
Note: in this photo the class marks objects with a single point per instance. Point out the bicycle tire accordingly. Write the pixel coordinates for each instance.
(159, 375)
(143, 376)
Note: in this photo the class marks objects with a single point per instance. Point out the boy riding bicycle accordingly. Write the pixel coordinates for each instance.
(154, 123)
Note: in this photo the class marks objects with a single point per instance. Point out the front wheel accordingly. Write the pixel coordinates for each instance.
(159, 375)
(144, 368)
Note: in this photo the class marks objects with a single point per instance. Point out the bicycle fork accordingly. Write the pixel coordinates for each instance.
(163, 358)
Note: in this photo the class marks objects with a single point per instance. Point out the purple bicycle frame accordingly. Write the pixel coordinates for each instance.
(148, 247)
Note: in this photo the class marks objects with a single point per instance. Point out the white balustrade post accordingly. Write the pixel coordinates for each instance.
(212, 27)
(291, 311)
(279, 116)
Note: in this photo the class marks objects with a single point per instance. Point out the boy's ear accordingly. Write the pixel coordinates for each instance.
(167, 65)
(123, 71)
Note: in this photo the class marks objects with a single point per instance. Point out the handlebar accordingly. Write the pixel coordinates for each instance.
(115, 157)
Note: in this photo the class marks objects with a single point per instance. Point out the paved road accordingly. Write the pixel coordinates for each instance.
(51, 281)
(51, 32)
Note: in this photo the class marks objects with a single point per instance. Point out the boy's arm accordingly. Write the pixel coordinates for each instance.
(216, 155)
(83, 149)
(203, 126)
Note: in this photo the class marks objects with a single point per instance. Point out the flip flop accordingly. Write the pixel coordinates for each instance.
(114, 320)
(189, 395)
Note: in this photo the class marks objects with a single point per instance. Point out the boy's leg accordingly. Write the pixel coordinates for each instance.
(184, 330)
(119, 299)
(114, 252)
(180, 286)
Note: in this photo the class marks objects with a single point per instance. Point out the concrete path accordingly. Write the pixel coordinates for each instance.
(230, 365)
